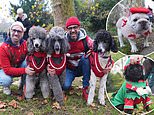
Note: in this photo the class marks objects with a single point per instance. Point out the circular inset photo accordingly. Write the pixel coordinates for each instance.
(130, 22)
(130, 85)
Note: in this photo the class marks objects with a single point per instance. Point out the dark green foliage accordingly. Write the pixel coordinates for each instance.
(93, 15)
(37, 11)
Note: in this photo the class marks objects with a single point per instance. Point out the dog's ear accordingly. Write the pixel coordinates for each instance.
(44, 42)
(114, 47)
(30, 45)
(49, 44)
(95, 45)
(65, 46)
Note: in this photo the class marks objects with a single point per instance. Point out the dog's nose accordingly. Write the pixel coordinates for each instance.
(99, 50)
(143, 23)
(36, 45)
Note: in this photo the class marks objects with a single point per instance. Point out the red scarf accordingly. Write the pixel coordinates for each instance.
(58, 67)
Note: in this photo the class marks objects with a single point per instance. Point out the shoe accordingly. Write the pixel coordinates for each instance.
(85, 93)
(6, 90)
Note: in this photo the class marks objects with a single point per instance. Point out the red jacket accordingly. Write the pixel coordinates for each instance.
(78, 48)
(12, 56)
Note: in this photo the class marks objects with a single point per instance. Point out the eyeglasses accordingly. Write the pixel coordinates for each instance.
(18, 31)
(72, 27)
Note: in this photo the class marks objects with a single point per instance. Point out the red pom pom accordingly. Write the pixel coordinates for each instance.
(134, 10)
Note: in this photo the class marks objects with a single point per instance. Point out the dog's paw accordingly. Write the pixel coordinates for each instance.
(134, 49)
(102, 103)
(122, 45)
(146, 44)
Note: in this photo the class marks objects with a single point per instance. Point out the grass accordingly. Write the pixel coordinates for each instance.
(74, 105)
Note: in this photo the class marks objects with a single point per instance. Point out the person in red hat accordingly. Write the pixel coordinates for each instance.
(77, 62)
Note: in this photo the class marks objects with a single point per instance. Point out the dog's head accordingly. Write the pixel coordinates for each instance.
(56, 41)
(134, 73)
(139, 22)
(36, 40)
(104, 42)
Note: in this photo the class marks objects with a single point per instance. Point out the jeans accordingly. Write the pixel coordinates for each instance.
(6, 80)
(83, 69)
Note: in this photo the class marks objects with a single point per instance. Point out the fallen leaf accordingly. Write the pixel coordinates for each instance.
(2, 104)
(56, 105)
(20, 98)
(2, 110)
(65, 97)
(30, 113)
(44, 102)
(13, 103)
(92, 105)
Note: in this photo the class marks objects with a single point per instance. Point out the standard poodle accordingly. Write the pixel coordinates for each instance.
(36, 59)
(57, 47)
(101, 63)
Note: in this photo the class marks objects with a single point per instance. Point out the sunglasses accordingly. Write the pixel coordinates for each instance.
(72, 27)
(18, 31)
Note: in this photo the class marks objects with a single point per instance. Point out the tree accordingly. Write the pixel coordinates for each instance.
(62, 9)
(37, 11)
(94, 14)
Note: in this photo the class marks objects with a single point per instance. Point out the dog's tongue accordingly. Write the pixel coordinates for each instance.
(102, 54)
(57, 52)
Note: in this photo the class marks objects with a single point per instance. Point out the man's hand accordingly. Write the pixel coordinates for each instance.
(52, 72)
(30, 71)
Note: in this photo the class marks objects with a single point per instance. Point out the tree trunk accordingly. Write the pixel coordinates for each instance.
(61, 10)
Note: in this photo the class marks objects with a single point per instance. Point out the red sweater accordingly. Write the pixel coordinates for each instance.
(11, 58)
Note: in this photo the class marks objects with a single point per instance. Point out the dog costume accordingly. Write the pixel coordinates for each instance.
(130, 94)
(129, 33)
(136, 25)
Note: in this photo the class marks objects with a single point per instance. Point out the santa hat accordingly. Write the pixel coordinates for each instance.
(72, 21)
(17, 23)
(134, 10)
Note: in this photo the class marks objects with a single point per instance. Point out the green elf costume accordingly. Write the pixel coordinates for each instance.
(132, 93)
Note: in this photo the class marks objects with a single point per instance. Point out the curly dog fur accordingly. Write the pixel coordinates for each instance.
(37, 60)
(103, 44)
(57, 47)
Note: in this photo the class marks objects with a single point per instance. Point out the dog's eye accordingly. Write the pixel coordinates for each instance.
(33, 38)
(135, 19)
(148, 19)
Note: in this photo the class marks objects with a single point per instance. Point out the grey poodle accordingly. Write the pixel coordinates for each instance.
(57, 47)
(36, 59)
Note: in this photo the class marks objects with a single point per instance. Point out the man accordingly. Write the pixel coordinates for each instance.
(22, 17)
(12, 55)
(77, 62)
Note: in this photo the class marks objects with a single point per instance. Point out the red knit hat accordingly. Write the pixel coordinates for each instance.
(72, 21)
(134, 10)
